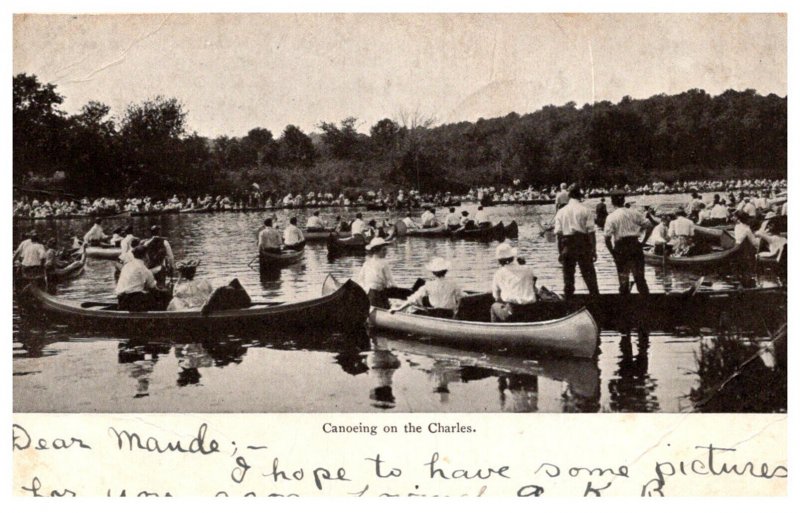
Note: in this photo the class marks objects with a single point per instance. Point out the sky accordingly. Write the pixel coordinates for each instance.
(234, 72)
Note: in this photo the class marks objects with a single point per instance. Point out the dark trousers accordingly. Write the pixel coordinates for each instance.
(144, 301)
(295, 247)
(577, 249)
(629, 259)
(380, 298)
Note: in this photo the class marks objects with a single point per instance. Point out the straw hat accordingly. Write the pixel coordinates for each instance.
(376, 243)
(505, 251)
(438, 264)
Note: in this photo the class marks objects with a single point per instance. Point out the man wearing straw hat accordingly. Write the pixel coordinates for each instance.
(441, 294)
(375, 276)
(513, 285)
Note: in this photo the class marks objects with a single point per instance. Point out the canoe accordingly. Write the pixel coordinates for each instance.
(574, 335)
(435, 232)
(341, 308)
(106, 252)
(737, 253)
(511, 230)
(60, 275)
(750, 308)
(319, 236)
(349, 246)
(496, 232)
(275, 260)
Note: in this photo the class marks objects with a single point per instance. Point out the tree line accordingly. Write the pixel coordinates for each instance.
(148, 149)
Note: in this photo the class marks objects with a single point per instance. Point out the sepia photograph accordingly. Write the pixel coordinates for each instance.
(416, 213)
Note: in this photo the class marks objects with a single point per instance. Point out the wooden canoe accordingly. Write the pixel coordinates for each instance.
(282, 259)
(496, 232)
(349, 246)
(341, 308)
(575, 335)
(320, 236)
(435, 232)
(104, 252)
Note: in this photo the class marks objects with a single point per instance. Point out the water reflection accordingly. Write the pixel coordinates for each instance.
(632, 389)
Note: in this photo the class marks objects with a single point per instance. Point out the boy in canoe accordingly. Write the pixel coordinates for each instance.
(441, 294)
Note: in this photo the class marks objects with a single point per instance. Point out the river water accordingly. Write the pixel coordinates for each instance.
(60, 369)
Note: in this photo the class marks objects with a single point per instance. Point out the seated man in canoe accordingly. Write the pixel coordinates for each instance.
(159, 253)
(429, 218)
(375, 276)
(136, 289)
(440, 297)
(314, 223)
(659, 238)
(96, 236)
(482, 218)
(409, 222)
(189, 293)
(358, 227)
(465, 221)
(452, 221)
(513, 287)
(681, 233)
(269, 239)
(293, 238)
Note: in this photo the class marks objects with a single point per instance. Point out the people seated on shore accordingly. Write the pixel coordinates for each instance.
(95, 236)
(358, 227)
(513, 286)
(136, 288)
(269, 238)
(375, 276)
(681, 233)
(189, 293)
(159, 253)
(314, 223)
(482, 218)
(453, 221)
(293, 238)
(429, 218)
(439, 297)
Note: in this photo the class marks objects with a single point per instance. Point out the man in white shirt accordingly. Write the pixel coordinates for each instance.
(719, 212)
(293, 238)
(136, 289)
(33, 255)
(429, 218)
(742, 231)
(269, 239)
(453, 221)
(747, 207)
(441, 294)
(681, 231)
(95, 235)
(513, 285)
(125, 243)
(375, 276)
(24, 244)
(314, 223)
(358, 227)
(481, 218)
(574, 229)
(622, 231)
(410, 224)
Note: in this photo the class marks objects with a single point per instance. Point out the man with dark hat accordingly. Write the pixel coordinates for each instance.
(623, 228)
(574, 228)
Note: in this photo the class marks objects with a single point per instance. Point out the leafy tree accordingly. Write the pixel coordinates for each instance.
(296, 148)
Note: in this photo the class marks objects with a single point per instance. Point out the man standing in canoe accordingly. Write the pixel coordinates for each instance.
(33, 255)
(574, 228)
(375, 276)
(269, 239)
(623, 228)
(513, 285)
(293, 238)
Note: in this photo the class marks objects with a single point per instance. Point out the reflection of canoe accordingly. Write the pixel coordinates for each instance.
(275, 260)
(748, 308)
(714, 259)
(582, 375)
(343, 308)
(108, 252)
(574, 335)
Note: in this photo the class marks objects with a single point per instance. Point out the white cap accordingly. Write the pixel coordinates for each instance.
(438, 264)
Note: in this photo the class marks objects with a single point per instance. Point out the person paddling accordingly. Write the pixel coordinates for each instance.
(137, 290)
(441, 295)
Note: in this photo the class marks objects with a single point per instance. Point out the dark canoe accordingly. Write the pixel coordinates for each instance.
(319, 236)
(753, 308)
(496, 232)
(342, 308)
(726, 257)
(349, 246)
(282, 259)
(511, 230)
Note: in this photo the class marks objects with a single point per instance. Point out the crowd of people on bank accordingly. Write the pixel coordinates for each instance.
(255, 198)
